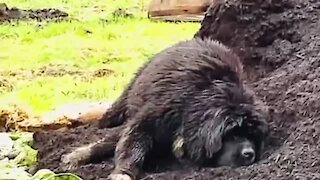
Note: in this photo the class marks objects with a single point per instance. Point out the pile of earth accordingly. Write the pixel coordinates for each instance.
(279, 42)
(14, 13)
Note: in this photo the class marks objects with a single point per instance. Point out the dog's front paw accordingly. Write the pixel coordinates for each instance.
(78, 157)
(119, 177)
(69, 161)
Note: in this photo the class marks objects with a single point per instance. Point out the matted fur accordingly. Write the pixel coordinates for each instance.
(192, 90)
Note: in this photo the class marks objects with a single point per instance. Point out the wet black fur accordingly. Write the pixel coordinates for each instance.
(194, 90)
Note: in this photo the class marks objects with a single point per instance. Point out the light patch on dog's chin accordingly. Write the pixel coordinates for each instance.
(177, 147)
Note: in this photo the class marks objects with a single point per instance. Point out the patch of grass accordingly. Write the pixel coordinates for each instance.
(93, 40)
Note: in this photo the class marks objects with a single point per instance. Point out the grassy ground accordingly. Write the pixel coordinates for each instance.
(92, 58)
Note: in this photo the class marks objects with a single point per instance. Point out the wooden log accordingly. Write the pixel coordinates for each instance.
(178, 9)
(182, 17)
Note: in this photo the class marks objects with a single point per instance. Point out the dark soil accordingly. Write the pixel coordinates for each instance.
(54, 70)
(280, 46)
(5, 85)
(58, 70)
(7, 14)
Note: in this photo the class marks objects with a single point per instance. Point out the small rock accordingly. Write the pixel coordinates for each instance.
(6, 145)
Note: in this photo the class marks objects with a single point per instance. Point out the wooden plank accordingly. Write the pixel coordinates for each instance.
(181, 17)
(177, 11)
(177, 7)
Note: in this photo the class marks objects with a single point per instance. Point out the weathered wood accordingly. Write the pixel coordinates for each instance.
(168, 8)
(183, 17)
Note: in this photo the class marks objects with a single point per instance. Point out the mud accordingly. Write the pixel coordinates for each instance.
(279, 42)
(53, 70)
(14, 13)
(5, 85)
(58, 70)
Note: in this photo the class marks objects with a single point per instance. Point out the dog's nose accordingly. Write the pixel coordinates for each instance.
(248, 153)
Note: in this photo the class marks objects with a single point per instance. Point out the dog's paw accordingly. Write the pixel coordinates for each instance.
(75, 158)
(69, 162)
(119, 177)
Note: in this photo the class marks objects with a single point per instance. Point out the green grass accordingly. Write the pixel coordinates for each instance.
(94, 41)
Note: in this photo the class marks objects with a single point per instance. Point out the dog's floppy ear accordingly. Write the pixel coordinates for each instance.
(211, 134)
(205, 140)
(203, 134)
(213, 131)
(262, 134)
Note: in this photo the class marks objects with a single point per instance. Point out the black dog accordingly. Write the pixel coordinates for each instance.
(190, 96)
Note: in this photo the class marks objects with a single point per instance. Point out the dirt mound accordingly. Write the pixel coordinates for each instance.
(38, 14)
(280, 44)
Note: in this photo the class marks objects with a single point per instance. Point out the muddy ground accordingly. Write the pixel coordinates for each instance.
(14, 13)
(280, 47)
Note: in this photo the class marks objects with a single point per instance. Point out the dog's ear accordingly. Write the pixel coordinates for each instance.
(258, 129)
(263, 135)
(203, 135)
(214, 130)
(263, 128)
(212, 133)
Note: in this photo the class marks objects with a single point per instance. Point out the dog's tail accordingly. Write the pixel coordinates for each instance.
(116, 115)
(106, 146)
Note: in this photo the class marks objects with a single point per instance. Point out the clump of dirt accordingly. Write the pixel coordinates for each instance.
(15, 13)
(120, 12)
(279, 41)
(13, 112)
(102, 72)
(5, 85)
(58, 70)
(54, 70)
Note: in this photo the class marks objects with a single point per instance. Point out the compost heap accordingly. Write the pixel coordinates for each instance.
(14, 13)
(279, 42)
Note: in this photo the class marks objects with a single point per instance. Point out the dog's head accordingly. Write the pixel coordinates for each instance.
(234, 136)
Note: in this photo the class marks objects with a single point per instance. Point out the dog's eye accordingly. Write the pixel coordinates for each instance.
(234, 138)
(249, 124)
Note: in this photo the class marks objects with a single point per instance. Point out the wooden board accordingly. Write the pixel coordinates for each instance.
(178, 7)
(182, 17)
